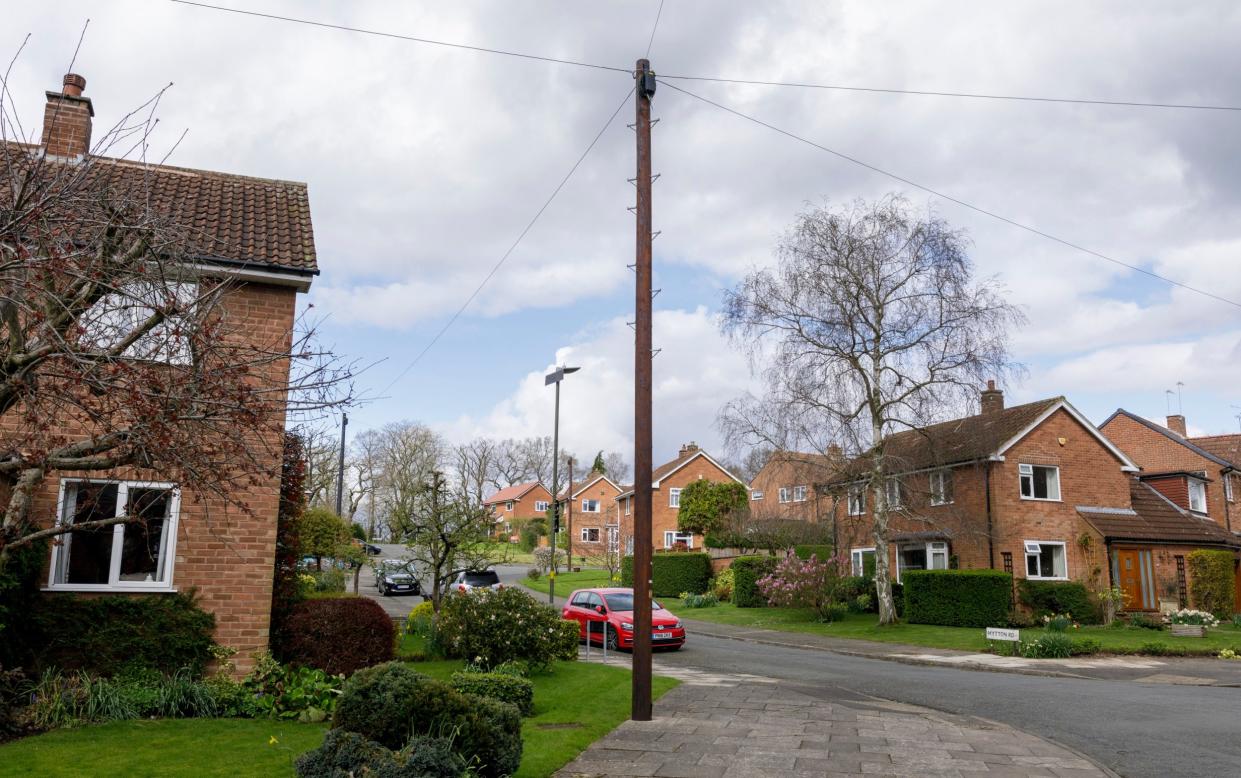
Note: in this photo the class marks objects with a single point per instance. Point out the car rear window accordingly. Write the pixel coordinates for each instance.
(485, 578)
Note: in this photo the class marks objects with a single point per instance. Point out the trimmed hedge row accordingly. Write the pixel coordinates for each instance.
(1047, 597)
(746, 572)
(958, 598)
(672, 574)
(821, 551)
(1212, 581)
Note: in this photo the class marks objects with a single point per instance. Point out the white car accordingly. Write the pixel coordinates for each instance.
(476, 579)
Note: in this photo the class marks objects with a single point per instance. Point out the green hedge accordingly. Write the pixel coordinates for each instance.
(506, 688)
(823, 551)
(958, 598)
(1212, 581)
(746, 572)
(1045, 597)
(674, 573)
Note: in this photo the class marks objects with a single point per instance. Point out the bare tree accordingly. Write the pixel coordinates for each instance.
(616, 466)
(411, 455)
(446, 535)
(473, 463)
(521, 461)
(366, 464)
(117, 347)
(870, 323)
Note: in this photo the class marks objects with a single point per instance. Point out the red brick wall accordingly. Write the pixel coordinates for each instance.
(779, 472)
(523, 509)
(663, 516)
(222, 551)
(603, 491)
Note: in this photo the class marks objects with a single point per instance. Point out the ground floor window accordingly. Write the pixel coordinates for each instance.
(921, 556)
(863, 561)
(590, 534)
(1046, 559)
(672, 538)
(134, 554)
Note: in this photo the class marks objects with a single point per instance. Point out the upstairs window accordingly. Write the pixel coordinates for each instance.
(1197, 495)
(590, 506)
(1039, 482)
(894, 490)
(756, 495)
(674, 498)
(590, 534)
(135, 555)
(784, 494)
(1228, 487)
(1046, 560)
(857, 501)
(541, 506)
(628, 506)
(508, 506)
(799, 494)
(116, 316)
(941, 487)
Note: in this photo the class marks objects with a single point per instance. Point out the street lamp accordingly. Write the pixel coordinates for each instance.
(555, 377)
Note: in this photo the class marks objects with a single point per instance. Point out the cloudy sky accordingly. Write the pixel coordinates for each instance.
(425, 163)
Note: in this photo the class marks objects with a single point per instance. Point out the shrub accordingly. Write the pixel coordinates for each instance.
(722, 585)
(543, 558)
(958, 598)
(420, 620)
(746, 572)
(1058, 622)
(491, 627)
(533, 573)
(1142, 621)
(330, 580)
(858, 587)
(348, 753)
(64, 699)
(1046, 597)
(834, 611)
(389, 702)
(498, 686)
(707, 506)
(707, 600)
(13, 698)
(338, 636)
(302, 693)
(673, 573)
(798, 583)
(1212, 581)
(819, 550)
(1049, 645)
(102, 635)
(20, 579)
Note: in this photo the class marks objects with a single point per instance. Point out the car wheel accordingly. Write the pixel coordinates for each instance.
(613, 640)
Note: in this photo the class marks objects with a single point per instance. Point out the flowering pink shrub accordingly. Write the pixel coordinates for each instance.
(806, 583)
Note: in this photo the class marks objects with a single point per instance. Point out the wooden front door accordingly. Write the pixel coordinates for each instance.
(1129, 577)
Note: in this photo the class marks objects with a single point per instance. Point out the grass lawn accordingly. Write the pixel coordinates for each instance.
(589, 699)
(865, 627)
(164, 747)
(508, 554)
(567, 582)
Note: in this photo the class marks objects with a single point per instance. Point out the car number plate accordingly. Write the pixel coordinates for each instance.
(663, 634)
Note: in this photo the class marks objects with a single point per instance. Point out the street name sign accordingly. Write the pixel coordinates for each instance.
(997, 633)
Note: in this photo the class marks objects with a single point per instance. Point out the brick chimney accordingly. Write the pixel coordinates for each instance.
(67, 120)
(1176, 423)
(687, 449)
(992, 399)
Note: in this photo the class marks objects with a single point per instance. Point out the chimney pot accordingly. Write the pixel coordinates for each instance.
(73, 85)
(1176, 423)
(992, 399)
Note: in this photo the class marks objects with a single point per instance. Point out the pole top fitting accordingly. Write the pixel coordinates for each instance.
(645, 78)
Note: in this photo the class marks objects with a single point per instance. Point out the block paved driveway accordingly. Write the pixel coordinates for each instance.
(747, 726)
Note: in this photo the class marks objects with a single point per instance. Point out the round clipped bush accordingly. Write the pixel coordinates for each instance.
(498, 686)
(338, 636)
(492, 627)
(389, 702)
(348, 753)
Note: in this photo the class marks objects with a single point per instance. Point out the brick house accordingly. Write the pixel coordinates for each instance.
(1035, 490)
(259, 237)
(667, 481)
(787, 487)
(588, 512)
(515, 505)
(1198, 474)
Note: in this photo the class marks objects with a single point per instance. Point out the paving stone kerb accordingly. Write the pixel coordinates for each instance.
(716, 726)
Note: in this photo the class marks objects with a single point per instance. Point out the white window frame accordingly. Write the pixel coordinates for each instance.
(893, 491)
(1195, 486)
(508, 506)
(674, 498)
(672, 537)
(934, 548)
(799, 493)
(587, 503)
(943, 480)
(1034, 548)
(541, 505)
(1025, 471)
(756, 495)
(116, 315)
(629, 545)
(613, 539)
(628, 507)
(857, 501)
(857, 559)
(1228, 487)
(586, 534)
(783, 495)
(114, 584)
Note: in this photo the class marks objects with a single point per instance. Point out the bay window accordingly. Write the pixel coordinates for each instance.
(135, 554)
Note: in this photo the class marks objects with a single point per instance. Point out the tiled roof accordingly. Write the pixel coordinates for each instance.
(968, 439)
(225, 218)
(1154, 519)
(1226, 447)
(513, 492)
(1193, 444)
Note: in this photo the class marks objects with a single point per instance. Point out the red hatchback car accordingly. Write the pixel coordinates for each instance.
(592, 608)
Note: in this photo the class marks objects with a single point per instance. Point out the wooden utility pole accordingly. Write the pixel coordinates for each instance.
(642, 460)
(340, 473)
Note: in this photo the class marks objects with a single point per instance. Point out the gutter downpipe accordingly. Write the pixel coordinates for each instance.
(986, 479)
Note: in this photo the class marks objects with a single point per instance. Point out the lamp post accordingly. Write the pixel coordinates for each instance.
(555, 377)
